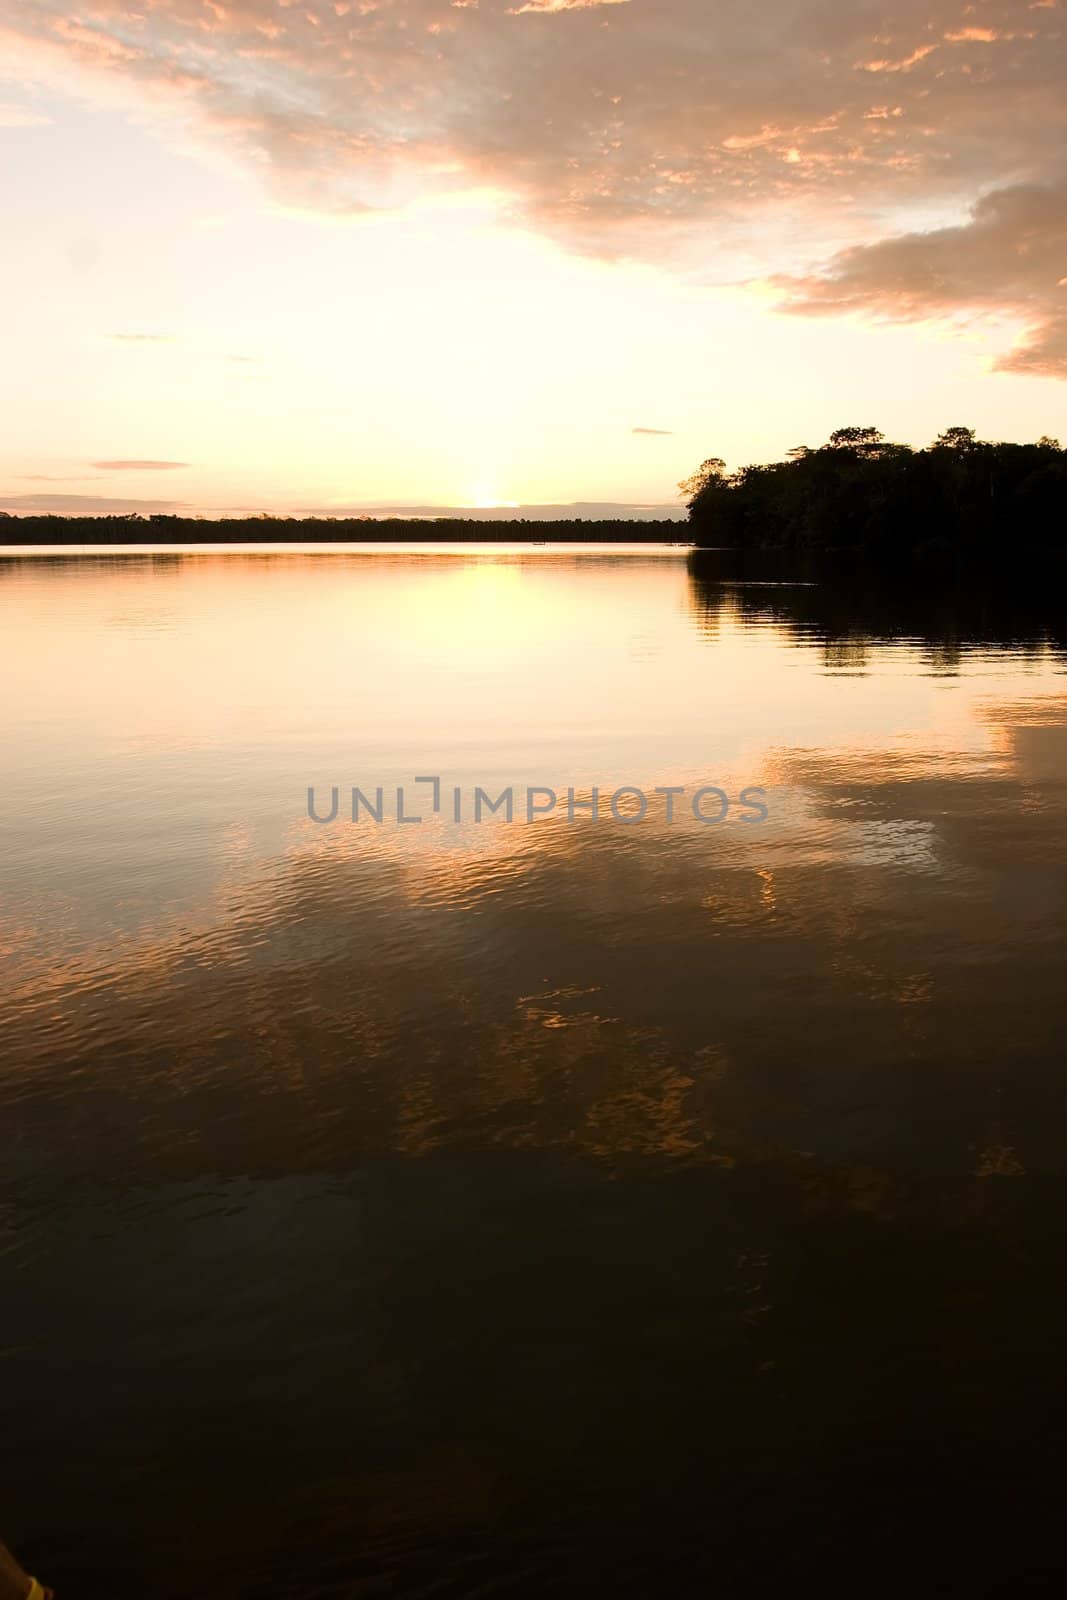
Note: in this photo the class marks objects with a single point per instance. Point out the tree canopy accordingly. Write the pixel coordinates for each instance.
(860, 492)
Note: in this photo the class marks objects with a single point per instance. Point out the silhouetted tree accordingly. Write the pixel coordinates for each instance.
(956, 439)
(862, 492)
(710, 472)
(855, 438)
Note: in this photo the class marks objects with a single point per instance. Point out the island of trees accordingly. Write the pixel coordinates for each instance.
(862, 494)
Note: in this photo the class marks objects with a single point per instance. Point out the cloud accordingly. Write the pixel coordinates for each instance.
(91, 505)
(648, 110)
(653, 433)
(588, 510)
(563, 5)
(1009, 259)
(138, 466)
(768, 137)
(87, 505)
(142, 338)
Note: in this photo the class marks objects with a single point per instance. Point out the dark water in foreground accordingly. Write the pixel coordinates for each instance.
(569, 1209)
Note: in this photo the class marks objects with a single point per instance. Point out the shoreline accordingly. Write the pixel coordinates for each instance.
(109, 532)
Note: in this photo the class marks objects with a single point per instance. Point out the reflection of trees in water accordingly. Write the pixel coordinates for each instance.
(846, 655)
(62, 565)
(847, 609)
(422, 527)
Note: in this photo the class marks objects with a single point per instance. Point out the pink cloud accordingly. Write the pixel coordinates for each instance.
(138, 466)
(651, 128)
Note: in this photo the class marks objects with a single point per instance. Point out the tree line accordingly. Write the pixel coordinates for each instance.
(164, 528)
(862, 493)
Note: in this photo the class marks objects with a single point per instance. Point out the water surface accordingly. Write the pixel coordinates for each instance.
(567, 1207)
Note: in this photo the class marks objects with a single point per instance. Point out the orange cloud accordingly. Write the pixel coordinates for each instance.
(650, 128)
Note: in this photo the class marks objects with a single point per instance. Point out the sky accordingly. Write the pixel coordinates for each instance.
(434, 254)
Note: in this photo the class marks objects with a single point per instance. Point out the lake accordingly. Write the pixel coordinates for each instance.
(652, 1203)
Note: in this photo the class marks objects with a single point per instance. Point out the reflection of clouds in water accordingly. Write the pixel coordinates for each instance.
(512, 1159)
(908, 844)
(847, 979)
(587, 988)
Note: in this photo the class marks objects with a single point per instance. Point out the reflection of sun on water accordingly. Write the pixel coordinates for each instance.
(483, 611)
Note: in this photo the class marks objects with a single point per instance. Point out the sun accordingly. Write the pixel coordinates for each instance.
(483, 497)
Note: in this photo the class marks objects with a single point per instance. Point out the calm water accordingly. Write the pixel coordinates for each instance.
(553, 1208)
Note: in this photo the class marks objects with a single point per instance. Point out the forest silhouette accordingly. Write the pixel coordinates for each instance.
(960, 497)
(167, 528)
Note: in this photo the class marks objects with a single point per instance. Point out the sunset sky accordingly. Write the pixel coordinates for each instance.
(441, 253)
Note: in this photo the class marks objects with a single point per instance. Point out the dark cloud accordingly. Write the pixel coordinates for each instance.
(653, 433)
(1010, 258)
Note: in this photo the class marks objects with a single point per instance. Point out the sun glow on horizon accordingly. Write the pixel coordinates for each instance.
(483, 497)
(468, 347)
